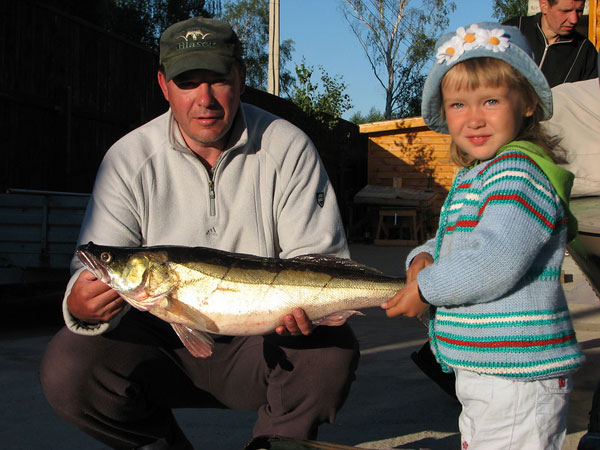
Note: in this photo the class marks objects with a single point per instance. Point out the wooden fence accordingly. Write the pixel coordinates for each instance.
(67, 91)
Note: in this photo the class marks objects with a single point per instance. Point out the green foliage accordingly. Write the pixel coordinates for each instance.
(373, 115)
(140, 21)
(506, 9)
(250, 20)
(326, 103)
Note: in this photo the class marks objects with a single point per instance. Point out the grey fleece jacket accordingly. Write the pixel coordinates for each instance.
(268, 195)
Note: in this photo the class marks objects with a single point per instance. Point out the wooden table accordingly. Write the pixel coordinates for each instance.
(401, 213)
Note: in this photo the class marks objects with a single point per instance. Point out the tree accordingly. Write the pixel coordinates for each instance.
(166, 12)
(398, 40)
(505, 9)
(140, 21)
(373, 115)
(250, 20)
(326, 104)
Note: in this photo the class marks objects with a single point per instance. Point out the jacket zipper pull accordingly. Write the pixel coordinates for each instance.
(211, 196)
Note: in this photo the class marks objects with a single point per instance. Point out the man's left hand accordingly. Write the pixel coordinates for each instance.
(295, 324)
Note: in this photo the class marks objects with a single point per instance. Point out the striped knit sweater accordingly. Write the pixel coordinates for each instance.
(495, 283)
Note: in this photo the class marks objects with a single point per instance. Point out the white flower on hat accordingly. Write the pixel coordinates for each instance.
(450, 50)
(471, 37)
(495, 40)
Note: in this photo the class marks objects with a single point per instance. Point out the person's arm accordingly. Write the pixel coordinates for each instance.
(409, 301)
(306, 209)
(90, 306)
(308, 218)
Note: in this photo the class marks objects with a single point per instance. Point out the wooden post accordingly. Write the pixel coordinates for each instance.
(594, 23)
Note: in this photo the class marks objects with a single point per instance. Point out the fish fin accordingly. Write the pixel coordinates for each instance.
(333, 261)
(337, 318)
(197, 342)
(143, 305)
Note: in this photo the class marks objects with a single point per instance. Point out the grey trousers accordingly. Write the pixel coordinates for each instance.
(120, 387)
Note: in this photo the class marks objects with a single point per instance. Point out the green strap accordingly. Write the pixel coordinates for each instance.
(561, 179)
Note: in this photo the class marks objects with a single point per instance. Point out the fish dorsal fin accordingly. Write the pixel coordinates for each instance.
(336, 261)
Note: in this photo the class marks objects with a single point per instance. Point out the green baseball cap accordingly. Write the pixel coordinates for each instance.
(199, 43)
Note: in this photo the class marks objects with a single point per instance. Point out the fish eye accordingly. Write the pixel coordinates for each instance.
(105, 257)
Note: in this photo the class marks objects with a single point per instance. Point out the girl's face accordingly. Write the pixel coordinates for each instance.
(483, 119)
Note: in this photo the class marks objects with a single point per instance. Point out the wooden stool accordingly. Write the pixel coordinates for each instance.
(402, 218)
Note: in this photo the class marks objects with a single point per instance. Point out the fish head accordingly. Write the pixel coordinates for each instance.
(141, 276)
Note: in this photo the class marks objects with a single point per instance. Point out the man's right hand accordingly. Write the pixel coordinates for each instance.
(93, 301)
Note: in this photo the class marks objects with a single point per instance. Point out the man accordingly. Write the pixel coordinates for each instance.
(210, 172)
(560, 51)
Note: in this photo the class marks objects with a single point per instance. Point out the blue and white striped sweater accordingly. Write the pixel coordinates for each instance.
(501, 309)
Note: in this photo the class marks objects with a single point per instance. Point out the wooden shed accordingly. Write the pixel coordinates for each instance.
(405, 153)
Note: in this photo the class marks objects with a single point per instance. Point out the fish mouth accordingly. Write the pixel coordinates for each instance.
(93, 265)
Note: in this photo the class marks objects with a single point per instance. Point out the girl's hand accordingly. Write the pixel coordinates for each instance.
(418, 263)
(406, 302)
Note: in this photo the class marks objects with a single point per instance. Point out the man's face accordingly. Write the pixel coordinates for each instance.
(204, 104)
(560, 19)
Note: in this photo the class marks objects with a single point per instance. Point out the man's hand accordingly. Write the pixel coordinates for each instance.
(93, 301)
(295, 324)
(406, 302)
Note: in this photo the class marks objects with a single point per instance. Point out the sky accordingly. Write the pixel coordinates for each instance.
(323, 37)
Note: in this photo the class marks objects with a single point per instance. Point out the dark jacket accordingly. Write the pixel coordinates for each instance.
(564, 61)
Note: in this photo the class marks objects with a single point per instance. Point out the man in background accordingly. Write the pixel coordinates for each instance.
(563, 55)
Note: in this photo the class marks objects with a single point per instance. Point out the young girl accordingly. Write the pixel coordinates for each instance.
(499, 317)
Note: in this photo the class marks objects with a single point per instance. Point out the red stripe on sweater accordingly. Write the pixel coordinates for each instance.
(463, 224)
(522, 201)
(507, 155)
(507, 343)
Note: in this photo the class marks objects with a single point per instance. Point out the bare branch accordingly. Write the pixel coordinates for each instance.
(397, 38)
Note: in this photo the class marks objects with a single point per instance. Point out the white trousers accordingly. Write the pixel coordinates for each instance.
(502, 414)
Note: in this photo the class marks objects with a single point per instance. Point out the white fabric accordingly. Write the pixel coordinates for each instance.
(576, 120)
(502, 414)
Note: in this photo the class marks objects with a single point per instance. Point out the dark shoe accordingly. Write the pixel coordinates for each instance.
(425, 360)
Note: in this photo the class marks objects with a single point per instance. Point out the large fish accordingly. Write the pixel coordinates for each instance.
(200, 290)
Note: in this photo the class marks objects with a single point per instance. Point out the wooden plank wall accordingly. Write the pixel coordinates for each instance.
(594, 23)
(68, 90)
(407, 149)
